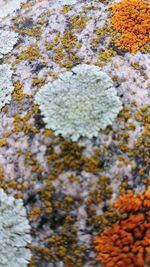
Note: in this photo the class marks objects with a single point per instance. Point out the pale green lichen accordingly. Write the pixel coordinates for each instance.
(14, 232)
(79, 103)
(9, 6)
(67, 2)
(6, 85)
(7, 41)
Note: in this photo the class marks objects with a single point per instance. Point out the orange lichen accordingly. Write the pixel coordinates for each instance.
(128, 203)
(127, 242)
(132, 19)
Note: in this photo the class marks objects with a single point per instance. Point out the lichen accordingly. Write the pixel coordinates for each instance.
(7, 41)
(15, 232)
(79, 103)
(6, 85)
(131, 18)
(67, 2)
(8, 7)
(126, 243)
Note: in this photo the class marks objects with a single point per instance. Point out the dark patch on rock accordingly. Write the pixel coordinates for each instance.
(40, 124)
(43, 221)
(119, 51)
(39, 67)
(27, 24)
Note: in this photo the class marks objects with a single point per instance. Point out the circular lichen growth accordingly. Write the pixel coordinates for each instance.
(79, 103)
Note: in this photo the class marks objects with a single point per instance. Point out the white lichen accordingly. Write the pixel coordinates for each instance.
(68, 2)
(7, 41)
(8, 7)
(79, 103)
(6, 85)
(14, 232)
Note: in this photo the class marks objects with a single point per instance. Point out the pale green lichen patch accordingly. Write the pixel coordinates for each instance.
(79, 103)
(67, 2)
(8, 7)
(15, 232)
(6, 85)
(7, 41)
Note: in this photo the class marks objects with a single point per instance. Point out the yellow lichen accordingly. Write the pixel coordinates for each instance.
(18, 93)
(2, 142)
(105, 56)
(78, 22)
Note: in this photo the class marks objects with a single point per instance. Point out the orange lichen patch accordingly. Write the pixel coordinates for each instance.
(132, 19)
(147, 181)
(147, 198)
(129, 203)
(127, 242)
